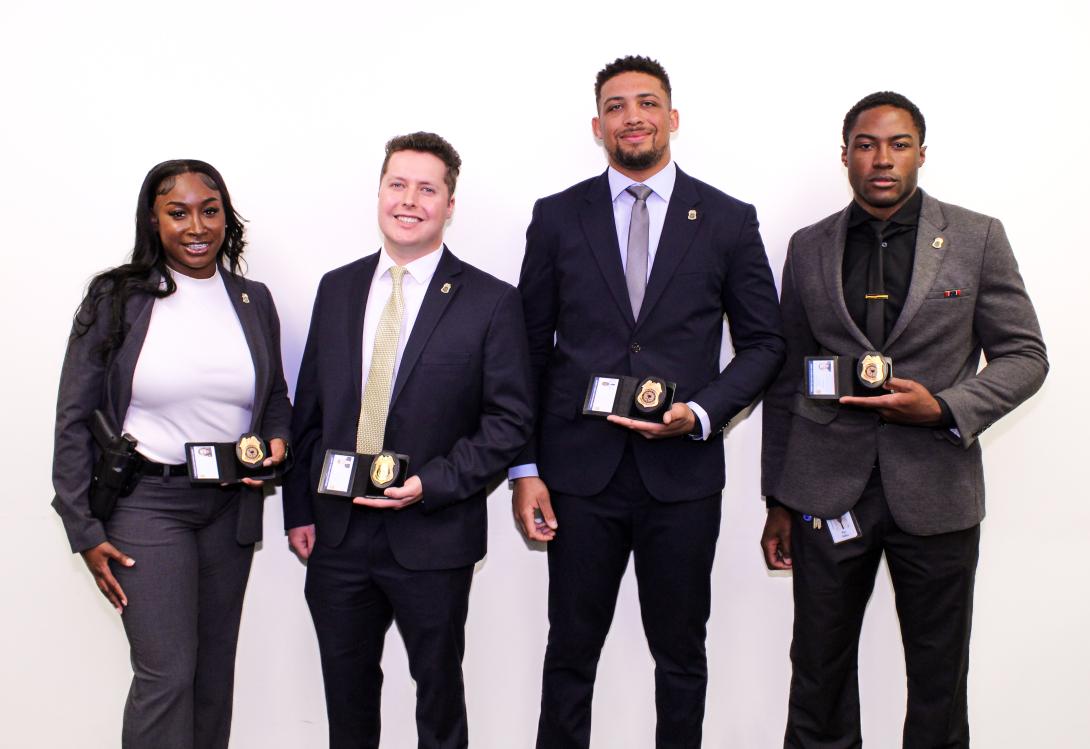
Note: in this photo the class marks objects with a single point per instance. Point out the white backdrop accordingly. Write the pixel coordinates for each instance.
(293, 102)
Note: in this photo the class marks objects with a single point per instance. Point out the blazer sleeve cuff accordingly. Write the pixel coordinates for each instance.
(83, 532)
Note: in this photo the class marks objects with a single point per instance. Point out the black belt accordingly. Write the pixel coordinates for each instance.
(151, 468)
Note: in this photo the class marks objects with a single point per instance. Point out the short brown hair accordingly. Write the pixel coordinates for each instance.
(426, 143)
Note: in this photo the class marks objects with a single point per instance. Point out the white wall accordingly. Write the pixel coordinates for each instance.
(293, 102)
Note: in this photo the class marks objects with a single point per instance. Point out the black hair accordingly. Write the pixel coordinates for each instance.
(631, 64)
(884, 99)
(111, 289)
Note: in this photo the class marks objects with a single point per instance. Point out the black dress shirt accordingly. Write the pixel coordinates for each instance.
(898, 247)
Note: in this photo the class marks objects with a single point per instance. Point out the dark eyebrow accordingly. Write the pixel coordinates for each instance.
(875, 137)
(206, 201)
(647, 95)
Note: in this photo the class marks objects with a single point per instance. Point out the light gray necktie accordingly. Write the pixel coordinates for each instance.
(376, 393)
(639, 229)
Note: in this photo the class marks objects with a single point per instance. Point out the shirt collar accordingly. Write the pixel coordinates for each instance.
(421, 270)
(661, 182)
(906, 215)
(181, 279)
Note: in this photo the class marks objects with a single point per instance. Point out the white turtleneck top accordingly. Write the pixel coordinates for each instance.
(194, 380)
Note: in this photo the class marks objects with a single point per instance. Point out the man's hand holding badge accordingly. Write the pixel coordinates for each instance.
(908, 402)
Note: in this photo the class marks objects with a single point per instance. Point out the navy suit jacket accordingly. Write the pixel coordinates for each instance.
(460, 408)
(88, 383)
(710, 261)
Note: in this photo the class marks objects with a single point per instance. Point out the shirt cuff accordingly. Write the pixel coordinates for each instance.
(526, 470)
(946, 421)
(771, 502)
(702, 417)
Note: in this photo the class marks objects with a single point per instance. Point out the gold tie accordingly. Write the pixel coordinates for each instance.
(376, 393)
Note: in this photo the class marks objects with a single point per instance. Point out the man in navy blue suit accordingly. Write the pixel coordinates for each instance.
(439, 349)
(631, 273)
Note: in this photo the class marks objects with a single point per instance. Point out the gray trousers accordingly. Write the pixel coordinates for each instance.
(185, 604)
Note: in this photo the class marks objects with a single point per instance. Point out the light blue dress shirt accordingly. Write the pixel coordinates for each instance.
(662, 187)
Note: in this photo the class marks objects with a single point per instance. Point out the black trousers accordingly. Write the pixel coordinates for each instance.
(933, 580)
(355, 591)
(673, 545)
(185, 604)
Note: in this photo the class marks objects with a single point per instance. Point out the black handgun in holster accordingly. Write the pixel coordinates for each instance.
(118, 468)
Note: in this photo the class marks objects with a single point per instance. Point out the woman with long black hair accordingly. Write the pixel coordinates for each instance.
(173, 347)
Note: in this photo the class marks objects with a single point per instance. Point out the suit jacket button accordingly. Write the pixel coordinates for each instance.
(635, 348)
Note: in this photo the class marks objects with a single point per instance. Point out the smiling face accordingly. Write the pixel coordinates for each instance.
(634, 123)
(883, 157)
(414, 204)
(188, 214)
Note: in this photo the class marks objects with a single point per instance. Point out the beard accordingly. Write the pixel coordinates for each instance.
(639, 160)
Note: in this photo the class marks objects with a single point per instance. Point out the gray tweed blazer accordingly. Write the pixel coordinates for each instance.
(818, 455)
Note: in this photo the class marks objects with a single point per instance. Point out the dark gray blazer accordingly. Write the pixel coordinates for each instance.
(818, 455)
(88, 383)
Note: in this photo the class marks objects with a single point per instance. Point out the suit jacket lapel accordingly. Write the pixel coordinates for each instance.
(435, 303)
(248, 317)
(138, 318)
(678, 232)
(925, 265)
(832, 263)
(354, 311)
(600, 229)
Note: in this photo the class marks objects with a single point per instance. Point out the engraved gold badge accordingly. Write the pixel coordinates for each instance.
(872, 369)
(250, 450)
(937, 244)
(445, 288)
(650, 394)
(692, 214)
(383, 470)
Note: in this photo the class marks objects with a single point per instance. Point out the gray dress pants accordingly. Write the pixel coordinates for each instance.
(185, 604)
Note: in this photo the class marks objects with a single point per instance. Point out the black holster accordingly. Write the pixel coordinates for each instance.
(118, 468)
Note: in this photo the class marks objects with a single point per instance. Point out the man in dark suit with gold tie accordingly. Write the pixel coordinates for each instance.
(411, 352)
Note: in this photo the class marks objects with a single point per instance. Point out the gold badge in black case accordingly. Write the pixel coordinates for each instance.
(384, 469)
(873, 369)
(649, 394)
(250, 450)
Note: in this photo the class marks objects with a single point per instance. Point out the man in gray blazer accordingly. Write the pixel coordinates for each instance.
(858, 461)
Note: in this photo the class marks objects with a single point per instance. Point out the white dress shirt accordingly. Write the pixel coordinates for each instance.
(413, 286)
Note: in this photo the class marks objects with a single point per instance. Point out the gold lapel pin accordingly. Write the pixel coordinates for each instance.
(445, 288)
(937, 244)
(692, 214)
(245, 298)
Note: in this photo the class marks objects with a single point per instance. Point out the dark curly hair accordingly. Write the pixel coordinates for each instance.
(109, 291)
(631, 64)
(426, 143)
(884, 99)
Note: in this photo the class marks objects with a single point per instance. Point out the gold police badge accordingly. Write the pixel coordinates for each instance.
(650, 394)
(384, 470)
(250, 450)
(873, 369)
